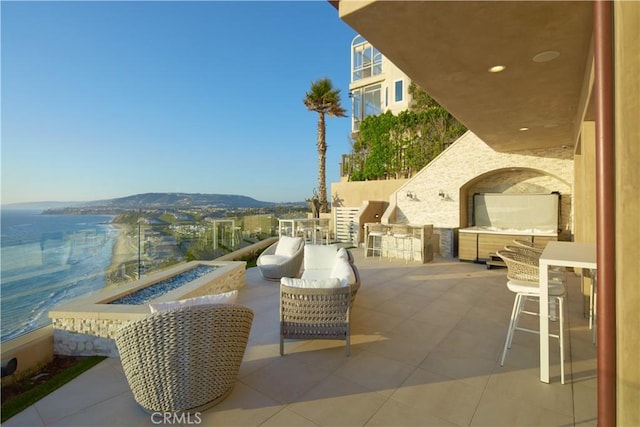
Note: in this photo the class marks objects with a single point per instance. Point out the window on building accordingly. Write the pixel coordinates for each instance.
(399, 91)
(367, 101)
(366, 60)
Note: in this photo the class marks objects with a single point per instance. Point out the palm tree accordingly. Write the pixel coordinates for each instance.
(323, 99)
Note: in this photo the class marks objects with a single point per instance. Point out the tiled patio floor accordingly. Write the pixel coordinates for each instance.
(426, 340)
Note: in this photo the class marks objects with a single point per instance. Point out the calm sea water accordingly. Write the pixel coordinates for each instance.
(47, 260)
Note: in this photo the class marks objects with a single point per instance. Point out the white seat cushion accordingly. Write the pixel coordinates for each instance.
(273, 259)
(223, 298)
(317, 274)
(555, 288)
(312, 283)
(288, 246)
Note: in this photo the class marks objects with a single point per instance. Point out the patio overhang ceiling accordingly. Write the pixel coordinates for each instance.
(447, 47)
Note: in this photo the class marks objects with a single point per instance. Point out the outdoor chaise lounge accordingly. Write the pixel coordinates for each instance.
(184, 359)
(317, 305)
(282, 259)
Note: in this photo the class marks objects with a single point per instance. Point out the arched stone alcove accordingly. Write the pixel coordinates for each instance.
(517, 180)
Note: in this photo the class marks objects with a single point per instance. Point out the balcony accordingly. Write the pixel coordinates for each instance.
(426, 339)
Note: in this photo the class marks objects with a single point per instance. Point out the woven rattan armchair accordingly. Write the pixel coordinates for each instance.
(315, 313)
(186, 359)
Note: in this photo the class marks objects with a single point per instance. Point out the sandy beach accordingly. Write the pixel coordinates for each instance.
(125, 249)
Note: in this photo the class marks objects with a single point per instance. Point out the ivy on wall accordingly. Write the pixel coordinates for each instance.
(391, 146)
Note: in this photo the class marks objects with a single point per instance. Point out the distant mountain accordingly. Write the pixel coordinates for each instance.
(179, 200)
(41, 205)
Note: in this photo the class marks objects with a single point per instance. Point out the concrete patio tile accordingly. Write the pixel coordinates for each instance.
(375, 372)
(393, 412)
(402, 305)
(499, 410)
(245, 406)
(257, 356)
(440, 315)
(104, 382)
(27, 418)
(372, 322)
(285, 379)
(437, 395)
(327, 355)
(286, 417)
(402, 349)
(119, 411)
(525, 384)
(349, 403)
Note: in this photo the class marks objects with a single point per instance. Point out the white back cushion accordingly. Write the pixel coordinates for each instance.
(343, 271)
(287, 246)
(224, 298)
(342, 254)
(319, 256)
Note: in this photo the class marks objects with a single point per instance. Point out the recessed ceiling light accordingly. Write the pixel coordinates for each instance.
(546, 56)
(497, 68)
(524, 129)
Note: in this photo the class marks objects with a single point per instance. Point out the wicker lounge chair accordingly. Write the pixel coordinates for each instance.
(186, 359)
(315, 313)
(282, 259)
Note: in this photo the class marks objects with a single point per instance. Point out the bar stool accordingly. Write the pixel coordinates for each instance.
(323, 234)
(402, 233)
(306, 231)
(375, 233)
(523, 280)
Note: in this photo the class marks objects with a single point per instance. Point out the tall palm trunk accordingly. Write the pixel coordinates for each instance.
(322, 156)
(323, 99)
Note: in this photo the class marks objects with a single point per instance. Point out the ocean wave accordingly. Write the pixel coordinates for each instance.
(31, 290)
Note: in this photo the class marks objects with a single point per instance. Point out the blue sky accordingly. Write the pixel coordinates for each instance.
(109, 99)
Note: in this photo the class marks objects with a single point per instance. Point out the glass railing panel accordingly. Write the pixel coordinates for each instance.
(48, 260)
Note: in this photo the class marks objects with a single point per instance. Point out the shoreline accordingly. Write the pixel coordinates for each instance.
(124, 251)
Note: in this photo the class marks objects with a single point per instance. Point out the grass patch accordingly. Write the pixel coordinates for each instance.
(20, 395)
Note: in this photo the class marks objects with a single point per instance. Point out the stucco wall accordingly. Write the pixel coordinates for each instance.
(627, 175)
(353, 194)
(585, 185)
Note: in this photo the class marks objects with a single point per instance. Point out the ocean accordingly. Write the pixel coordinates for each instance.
(47, 260)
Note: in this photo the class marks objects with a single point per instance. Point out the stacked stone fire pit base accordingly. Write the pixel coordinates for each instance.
(86, 326)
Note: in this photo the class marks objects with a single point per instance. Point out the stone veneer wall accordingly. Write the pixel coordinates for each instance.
(78, 335)
(469, 165)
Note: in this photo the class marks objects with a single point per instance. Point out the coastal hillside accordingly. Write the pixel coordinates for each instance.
(169, 201)
(180, 200)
